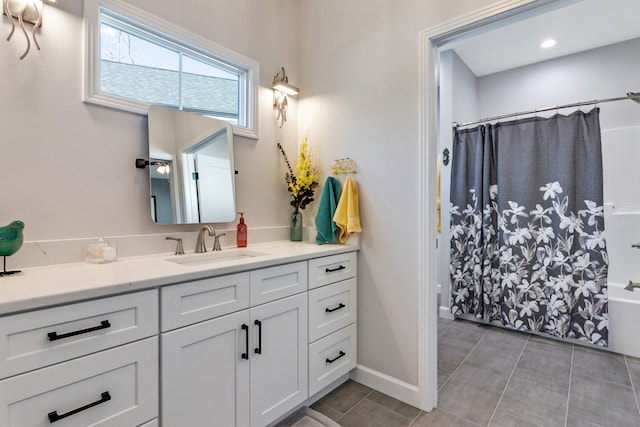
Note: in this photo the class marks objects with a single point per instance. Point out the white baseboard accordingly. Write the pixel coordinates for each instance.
(405, 392)
(445, 312)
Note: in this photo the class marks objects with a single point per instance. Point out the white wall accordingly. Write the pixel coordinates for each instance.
(67, 168)
(360, 68)
(605, 72)
(458, 103)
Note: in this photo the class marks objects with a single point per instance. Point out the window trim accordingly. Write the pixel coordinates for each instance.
(248, 89)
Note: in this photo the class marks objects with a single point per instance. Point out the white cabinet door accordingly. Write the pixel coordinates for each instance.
(279, 366)
(205, 378)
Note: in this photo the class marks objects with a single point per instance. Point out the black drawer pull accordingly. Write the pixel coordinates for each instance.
(333, 270)
(54, 335)
(245, 355)
(331, 310)
(258, 350)
(53, 416)
(330, 361)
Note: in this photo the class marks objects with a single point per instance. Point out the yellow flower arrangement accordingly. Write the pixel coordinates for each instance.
(303, 182)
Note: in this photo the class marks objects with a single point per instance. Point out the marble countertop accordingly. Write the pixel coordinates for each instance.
(44, 286)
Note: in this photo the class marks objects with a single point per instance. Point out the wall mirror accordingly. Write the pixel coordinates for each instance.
(191, 171)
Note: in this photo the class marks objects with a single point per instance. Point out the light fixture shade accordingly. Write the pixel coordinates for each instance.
(284, 86)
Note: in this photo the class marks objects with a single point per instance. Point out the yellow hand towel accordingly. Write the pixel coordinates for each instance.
(347, 216)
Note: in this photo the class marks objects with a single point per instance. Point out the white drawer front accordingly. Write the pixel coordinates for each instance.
(44, 337)
(331, 357)
(129, 374)
(330, 269)
(193, 302)
(331, 308)
(269, 284)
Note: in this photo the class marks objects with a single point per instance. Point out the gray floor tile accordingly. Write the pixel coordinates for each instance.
(492, 360)
(458, 343)
(467, 331)
(603, 402)
(451, 355)
(345, 397)
(550, 340)
(504, 342)
(600, 365)
(635, 379)
(326, 410)
(369, 414)
(444, 324)
(472, 403)
(578, 422)
(394, 404)
(442, 378)
(439, 418)
(633, 362)
(547, 359)
(474, 375)
(505, 419)
(535, 399)
(536, 394)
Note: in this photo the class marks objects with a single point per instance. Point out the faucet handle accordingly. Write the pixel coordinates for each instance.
(216, 242)
(179, 248)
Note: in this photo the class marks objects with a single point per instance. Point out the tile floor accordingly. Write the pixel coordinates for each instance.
(488, 376)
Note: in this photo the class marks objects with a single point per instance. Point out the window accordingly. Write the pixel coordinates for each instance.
(135, 59)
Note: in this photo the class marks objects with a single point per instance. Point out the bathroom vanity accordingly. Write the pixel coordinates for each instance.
(231, 338)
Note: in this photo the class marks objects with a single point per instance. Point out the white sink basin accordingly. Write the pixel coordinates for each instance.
(215, 257)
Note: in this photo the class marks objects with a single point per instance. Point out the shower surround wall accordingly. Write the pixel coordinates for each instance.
(605, 72)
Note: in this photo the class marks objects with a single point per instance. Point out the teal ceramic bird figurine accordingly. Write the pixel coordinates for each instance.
(10, 241)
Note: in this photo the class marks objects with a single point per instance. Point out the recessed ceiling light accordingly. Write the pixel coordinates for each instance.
(548, 43)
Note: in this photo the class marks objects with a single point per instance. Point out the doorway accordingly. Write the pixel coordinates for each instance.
(434, 128)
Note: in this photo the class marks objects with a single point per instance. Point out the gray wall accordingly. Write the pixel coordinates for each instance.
(458, 103)
(604, 72)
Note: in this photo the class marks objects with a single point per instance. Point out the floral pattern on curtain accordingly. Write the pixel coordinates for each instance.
(527, 225)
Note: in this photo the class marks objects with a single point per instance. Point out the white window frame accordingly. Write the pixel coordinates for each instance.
(248, 86)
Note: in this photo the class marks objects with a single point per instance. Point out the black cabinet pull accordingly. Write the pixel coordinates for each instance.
(331, 310)
(330, 361)
(53, 416)
(54, 335)
(258, 350)
(245, 355)
(332, 270)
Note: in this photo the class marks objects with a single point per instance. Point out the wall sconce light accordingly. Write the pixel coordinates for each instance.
(282, 88)
(24, 11)
(163, 167)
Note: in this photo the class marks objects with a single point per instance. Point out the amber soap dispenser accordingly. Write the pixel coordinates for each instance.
(242, 232)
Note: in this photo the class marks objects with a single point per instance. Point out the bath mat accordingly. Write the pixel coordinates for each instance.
(307, 417)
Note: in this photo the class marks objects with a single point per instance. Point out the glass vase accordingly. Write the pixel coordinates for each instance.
(296, 226)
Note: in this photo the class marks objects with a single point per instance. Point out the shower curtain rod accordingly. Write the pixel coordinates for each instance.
(631, 95)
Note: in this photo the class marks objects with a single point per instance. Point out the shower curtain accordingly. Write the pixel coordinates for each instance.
(527, 226)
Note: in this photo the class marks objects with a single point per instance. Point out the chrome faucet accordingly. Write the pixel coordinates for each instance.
(200, 246)
(216, 242)
(179, 248)
(637, 245)
(631, 286)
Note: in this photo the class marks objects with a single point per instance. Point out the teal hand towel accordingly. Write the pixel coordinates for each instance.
(325, 225)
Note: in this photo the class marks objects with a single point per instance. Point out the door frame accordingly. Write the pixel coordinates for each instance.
(429, 41)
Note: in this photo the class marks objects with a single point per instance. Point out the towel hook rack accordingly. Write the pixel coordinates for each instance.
(342, 166)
